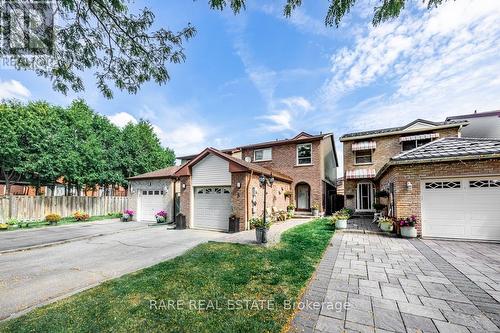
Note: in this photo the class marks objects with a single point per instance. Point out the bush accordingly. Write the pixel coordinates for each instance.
(81, 216)
(4, 226)
(53, 218)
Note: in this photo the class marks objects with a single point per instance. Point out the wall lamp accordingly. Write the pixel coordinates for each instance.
(238, 185)
(409, 186)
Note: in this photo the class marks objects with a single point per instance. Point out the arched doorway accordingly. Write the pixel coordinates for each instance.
(303, 196)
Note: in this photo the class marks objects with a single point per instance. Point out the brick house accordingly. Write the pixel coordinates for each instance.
(448, 182)
(215, 184)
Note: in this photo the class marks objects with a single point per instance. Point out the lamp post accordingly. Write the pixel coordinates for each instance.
(264, 182)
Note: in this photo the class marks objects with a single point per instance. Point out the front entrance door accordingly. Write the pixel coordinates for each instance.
(365, 196)
(303, 197)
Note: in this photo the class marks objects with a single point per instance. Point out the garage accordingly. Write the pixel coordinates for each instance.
(463, 208)
(150, 203)
(212, 207)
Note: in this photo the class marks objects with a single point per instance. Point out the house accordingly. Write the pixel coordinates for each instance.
(450, 183)
(481, 124)
(215, 184)
(152, 192)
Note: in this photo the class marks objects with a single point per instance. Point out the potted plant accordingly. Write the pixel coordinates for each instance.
(128, 215)
(315, 209)
(379, 207)
(287, 194)
(386, 224)
(340, 219)
(161, 216)
(407, 227)
(291, 210)
(53, 218)
(261, 229)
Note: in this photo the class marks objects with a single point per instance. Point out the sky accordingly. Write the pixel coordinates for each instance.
(258, 76)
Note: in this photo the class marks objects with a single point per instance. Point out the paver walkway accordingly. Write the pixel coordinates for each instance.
(374, 283)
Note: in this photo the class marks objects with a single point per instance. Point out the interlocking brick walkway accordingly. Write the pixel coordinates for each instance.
(391, 284)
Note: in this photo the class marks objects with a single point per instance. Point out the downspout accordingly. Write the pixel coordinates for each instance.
(247, 227)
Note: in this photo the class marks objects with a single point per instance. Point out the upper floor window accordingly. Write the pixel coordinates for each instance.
(409, 145)
(262, 154)
(304, 153)
(363, 156)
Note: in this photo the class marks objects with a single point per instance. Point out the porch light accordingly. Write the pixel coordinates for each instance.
(183, 186)
(409, 186)
(262, 180)
(238, 185)
(271, 180)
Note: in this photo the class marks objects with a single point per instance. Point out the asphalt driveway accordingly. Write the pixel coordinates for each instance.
(38, 276)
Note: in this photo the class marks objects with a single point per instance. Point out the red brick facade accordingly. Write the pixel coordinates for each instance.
(407, 202)
(387, 147)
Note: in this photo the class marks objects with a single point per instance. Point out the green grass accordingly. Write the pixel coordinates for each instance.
(63, 221)
(213, 272)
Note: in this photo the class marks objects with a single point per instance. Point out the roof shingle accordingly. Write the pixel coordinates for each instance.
(162, 173)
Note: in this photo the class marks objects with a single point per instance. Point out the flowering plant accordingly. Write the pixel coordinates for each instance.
(129, 212)
(408, 221)
(81, 216)
(162, 213)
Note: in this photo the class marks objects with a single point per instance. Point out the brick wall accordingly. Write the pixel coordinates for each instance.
(387, 147)
(238, 197)
(185, 199)
(275, 196)
(408, 202)
(284, 160)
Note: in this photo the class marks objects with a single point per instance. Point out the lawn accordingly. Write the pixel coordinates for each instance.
(65, 220)
(247, 287)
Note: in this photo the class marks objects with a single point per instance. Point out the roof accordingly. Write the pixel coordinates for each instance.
(162, 173)
(475, 115)
(301, 137)
(451, 148)
(247, 166)
(398, 130)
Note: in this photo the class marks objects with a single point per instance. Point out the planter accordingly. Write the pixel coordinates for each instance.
(160, 220)
(340, 224)
(52, 223)
(408, 232)
(126, 218)
(387, 227)
(315, 212)
(234, 224)
(261, 235)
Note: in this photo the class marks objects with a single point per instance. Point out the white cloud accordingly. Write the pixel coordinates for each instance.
(13, 89)
(279, 121)
(434, 63)
(121, 119)
(186, 138)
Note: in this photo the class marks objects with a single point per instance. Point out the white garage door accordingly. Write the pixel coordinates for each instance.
(466, 208)
(212, 207)
(150, 203)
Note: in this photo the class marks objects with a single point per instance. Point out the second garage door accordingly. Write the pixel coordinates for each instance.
(212, 207)
(467, 208)
(151, 202)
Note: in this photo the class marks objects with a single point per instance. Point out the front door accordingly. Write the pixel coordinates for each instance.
(303, 197)
(365, 196)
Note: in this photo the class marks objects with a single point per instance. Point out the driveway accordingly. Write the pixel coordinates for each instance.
(26, 238)
(38, 276)
(374, 283)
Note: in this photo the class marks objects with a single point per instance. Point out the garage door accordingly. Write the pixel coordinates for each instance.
(212, 207)
(461, 208)
(150, 203)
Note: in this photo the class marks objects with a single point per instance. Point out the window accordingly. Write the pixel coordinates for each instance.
(363, 156)
(262, 154)
(484, 183)
(409, 145)
(304, 153)
(442, 185)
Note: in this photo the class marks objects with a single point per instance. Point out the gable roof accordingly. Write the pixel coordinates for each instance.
(476, 115)
(425, 125)
(184, 170)
(162, 173)
(451, 147)
(301, 137)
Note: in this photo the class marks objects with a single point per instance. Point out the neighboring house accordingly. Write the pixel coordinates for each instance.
(215, 184)
(451, 184)
(152, 192)
(481, 124)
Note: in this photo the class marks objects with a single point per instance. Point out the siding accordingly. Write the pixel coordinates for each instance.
(212, 170)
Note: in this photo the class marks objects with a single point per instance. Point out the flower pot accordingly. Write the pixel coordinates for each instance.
(408, 232)
(340, 224)
(52, 223)
(160, 220)
(315, 212)
(387, 227)
(261, 235)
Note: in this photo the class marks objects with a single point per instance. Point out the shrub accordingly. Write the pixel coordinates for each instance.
(53, 218)
(81, 216)
(290, 207)
(4, 226)
(258, 222)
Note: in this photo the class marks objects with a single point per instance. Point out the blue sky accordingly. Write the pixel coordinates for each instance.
(258, 76)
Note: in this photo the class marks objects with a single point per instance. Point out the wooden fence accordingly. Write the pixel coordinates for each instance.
(36, 208)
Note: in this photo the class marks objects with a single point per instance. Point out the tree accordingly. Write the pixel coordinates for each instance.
(337, 9)
(102, 35)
